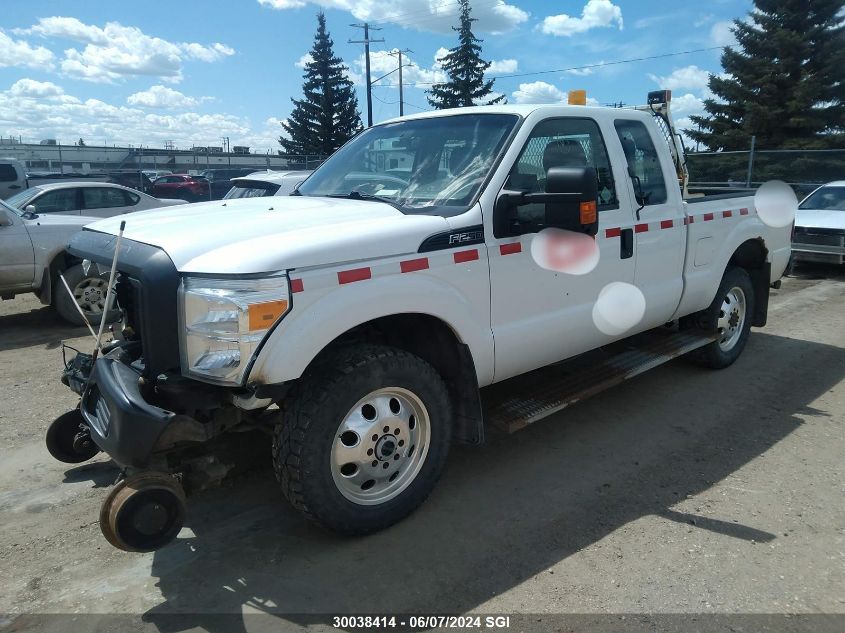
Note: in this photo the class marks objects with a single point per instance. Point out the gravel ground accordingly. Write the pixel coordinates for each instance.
(682, 491)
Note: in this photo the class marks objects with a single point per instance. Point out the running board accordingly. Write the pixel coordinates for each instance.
(517, 402)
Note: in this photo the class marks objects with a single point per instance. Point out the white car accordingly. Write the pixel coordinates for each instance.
(820, 225)
(152, 174)
(33, 255)
(94, 199)
(266, 183)
(388, 316)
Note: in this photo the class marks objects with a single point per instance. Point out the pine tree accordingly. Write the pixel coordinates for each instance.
(784, 82)
(465, 70)
(327, 116)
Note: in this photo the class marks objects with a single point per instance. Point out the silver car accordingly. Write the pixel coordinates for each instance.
(820, 226)
(94, 199)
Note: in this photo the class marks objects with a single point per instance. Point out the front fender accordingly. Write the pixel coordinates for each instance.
(319, 317)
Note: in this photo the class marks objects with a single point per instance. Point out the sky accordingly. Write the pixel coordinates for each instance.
(192, 71)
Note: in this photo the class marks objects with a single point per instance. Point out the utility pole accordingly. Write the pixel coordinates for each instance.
(401, 87)
(366, 42)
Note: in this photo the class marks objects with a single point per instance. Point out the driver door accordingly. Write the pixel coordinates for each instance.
(17, 260)
(540, 316)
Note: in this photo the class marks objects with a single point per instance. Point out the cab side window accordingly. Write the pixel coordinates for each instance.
(643, 162)
(566, 142)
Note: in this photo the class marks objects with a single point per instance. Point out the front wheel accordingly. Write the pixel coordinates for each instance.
(729, 316)
(364, 438)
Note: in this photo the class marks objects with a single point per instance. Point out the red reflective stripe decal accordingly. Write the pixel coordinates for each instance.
(689, 220)
(640, 228)
(356, 274)
(615, 232)
(707, 217)
(743, 211)
(727, 214)
(296, 285)
(465, 256)
(666, 224)
(414, 264)
(510, 249)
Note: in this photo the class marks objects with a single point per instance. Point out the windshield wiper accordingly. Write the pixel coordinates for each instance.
(357, 195)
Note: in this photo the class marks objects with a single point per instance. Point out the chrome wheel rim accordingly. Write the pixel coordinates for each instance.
(380, 446)
(90, 294)
(731, 319)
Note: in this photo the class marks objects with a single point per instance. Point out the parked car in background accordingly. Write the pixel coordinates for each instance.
(220, 179)
(181, 186)
(133, 179)
(152, 174)
(266, 183)
(12, 177)
(95, 199)
(32, 256)
(820, 226)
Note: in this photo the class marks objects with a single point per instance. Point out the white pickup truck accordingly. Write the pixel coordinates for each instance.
(369, 320)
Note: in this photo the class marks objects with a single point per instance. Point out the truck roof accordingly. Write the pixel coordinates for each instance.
(522, 110)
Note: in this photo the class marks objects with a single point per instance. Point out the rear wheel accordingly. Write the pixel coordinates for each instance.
(364, 439)
(89, 293)
(729, 316)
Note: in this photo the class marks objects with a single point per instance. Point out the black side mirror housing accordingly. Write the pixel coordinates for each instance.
(571, 198)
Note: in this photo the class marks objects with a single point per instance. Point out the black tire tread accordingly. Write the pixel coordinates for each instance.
(303, 403)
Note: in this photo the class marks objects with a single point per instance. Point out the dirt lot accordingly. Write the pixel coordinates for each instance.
(683, 491)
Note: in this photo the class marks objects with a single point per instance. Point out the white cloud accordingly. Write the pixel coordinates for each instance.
(163, 97)
(686, 78)
(503, 66)
(538, 92)
(22, 53)
(38, 110)
(382, 62)
(304, 61)
(685, 105)
(721, 34)
(493, 16)
(581, 72)
(114, 51)
(595, 14)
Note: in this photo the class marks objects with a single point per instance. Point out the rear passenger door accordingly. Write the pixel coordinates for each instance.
(659, 229)
(540, 316)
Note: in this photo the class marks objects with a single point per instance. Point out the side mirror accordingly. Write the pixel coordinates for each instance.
(31, 208)
(570, 199)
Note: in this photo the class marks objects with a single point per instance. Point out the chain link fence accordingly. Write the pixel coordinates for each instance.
(803, 169)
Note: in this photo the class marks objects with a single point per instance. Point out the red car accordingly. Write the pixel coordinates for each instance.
(182, 186)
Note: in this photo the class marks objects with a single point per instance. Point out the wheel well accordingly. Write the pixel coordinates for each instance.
(435, 342)
(751, 255)
(60, 262)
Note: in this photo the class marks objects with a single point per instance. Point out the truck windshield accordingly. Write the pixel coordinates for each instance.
(433, 166)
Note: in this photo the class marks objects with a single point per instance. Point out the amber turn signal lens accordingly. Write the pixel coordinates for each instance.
(263, 315)
(588, 212)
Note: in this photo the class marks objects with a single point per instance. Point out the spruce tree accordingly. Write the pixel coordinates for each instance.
(327, 116)
(784, 82)
(465, 70)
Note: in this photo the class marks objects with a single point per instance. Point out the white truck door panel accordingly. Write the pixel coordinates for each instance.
(660, 230)
(17, 260)
(540, 316)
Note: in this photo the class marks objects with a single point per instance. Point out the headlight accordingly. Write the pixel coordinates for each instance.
(224, 320)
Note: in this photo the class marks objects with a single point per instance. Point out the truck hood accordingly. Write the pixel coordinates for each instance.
(255, 235)
(820, 219)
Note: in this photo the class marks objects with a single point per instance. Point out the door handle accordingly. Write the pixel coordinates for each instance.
(626, 243)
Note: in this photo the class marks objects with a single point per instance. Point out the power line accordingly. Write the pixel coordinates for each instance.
(598, 65)
(366, 42)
